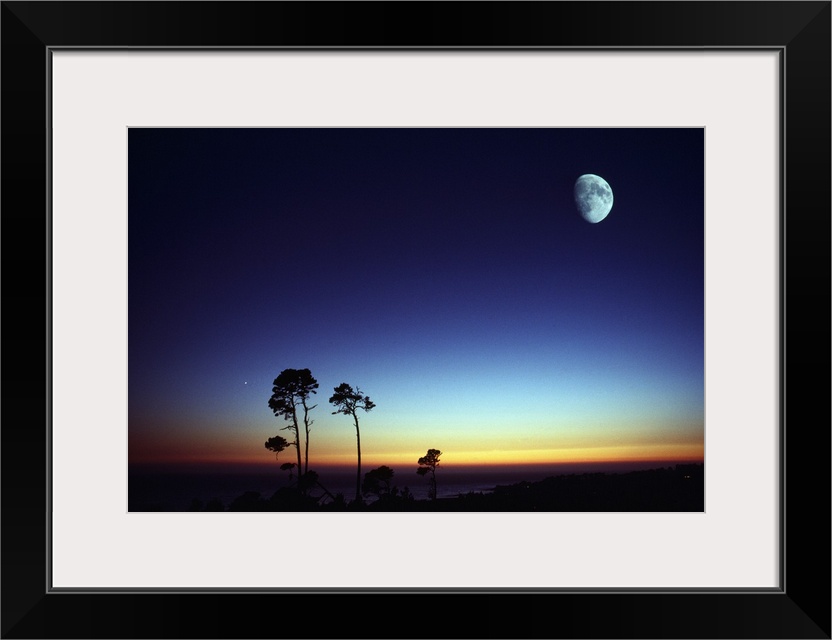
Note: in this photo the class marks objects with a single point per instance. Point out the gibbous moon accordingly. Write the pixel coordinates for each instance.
(593, 196)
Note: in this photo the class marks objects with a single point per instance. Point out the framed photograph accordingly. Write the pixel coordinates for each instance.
(556, 355)
(578, 260)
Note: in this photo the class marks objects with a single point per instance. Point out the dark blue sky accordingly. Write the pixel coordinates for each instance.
(446, 272)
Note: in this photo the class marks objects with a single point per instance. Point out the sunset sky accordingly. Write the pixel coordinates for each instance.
(445, 272)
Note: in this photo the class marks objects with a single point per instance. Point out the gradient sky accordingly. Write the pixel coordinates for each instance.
(445, 272)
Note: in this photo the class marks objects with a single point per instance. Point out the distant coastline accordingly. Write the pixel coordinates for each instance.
(670, 487)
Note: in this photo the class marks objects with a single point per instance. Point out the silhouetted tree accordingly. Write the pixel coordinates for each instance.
(277, 444)
(292, 388)
(348, 401)
(377, 481)
(288, 466)
(427, 465)
(215, 504)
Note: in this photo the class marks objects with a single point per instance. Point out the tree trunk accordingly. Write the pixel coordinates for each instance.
(306, 428)
(358, 474)
(297, 442)
(306, 460)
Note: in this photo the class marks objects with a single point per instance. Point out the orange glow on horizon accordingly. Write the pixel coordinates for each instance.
(490, 458)
(623, 453)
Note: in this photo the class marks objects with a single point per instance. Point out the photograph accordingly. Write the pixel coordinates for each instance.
(416, 319)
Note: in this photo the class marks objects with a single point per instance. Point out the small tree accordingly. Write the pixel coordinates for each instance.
(292, 389)
(348, 401)
(377, 481)
(277, 444)
(427, 465)
(288, 466)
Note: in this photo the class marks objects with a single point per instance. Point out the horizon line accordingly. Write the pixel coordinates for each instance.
(457, 466)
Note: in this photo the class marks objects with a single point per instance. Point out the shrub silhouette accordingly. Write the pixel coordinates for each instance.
(377, 482)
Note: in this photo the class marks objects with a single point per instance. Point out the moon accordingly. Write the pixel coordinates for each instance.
(593, 197)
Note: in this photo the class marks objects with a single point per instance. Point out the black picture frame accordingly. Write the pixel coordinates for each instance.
(799, 31)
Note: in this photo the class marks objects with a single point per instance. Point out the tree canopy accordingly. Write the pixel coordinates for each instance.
(347, 400)
(277, 444)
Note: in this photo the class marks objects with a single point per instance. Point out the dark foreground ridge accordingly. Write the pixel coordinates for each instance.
(680, 488)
